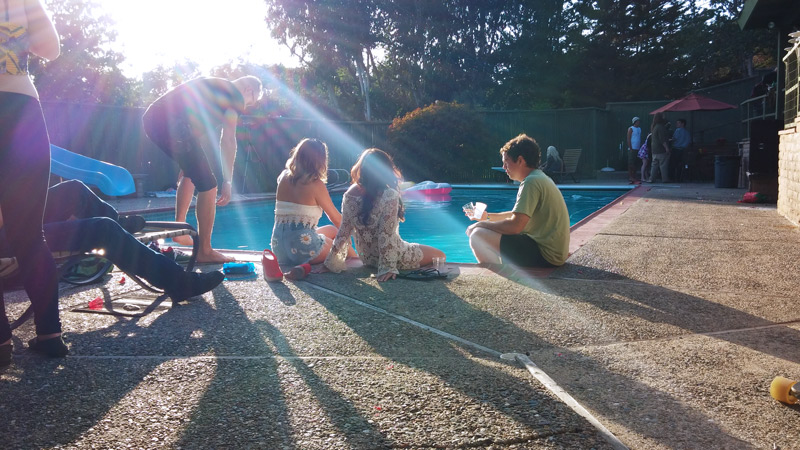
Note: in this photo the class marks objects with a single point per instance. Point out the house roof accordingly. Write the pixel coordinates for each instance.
(755, 14)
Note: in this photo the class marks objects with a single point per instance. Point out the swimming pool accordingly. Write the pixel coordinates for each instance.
(436, 221)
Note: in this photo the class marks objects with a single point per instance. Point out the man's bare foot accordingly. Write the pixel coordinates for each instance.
(183, 240)
(213, 257)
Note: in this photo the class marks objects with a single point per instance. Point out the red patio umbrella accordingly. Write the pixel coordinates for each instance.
(694, 102)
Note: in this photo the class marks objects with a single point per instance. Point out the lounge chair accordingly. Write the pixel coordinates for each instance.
(67, 262)
(570, 158)
(338, 179)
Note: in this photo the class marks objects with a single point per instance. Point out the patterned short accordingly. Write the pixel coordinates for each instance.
(295, 243)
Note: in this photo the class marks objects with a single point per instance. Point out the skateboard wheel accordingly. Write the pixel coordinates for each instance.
(780, 390)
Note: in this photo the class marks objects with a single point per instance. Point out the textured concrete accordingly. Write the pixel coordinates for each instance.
(667, 325)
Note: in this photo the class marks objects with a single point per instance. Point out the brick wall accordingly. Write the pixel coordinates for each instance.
(789, 172)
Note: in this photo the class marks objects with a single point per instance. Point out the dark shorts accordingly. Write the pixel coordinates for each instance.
(520, 250)
(633, 158)
(175, 138)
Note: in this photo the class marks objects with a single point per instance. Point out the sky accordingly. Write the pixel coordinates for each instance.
(161, 32)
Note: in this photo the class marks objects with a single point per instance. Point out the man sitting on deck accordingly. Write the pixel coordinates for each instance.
(535, 233)
(76, 220)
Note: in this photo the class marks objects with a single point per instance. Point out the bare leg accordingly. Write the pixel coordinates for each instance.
(644, 169)
(428, 253)
(485, 245)
(206, 210)
(183, 199)
(323, 252)
(330, 232)
(631, 171)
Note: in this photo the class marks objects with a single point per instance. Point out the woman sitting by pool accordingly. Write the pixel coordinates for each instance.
(300, 199)
(372, 209)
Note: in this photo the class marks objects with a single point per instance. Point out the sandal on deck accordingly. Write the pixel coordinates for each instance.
(422, 274)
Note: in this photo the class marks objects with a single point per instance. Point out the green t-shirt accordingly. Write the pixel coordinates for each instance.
(539, 198)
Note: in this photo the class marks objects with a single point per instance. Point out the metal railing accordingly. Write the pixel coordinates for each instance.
(791, 106)
(758, 108)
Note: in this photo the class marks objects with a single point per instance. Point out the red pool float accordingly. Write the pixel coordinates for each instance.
(429, 188)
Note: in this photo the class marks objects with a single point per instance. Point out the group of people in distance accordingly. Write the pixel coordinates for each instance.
(181, 122)
(662, 153)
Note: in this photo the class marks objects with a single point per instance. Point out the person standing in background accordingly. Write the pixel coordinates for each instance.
(634, 144)
(659, 149)
(681, 139)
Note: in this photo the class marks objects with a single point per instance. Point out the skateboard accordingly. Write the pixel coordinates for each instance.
(785, 390)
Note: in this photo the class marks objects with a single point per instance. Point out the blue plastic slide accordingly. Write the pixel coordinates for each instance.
(110, 179)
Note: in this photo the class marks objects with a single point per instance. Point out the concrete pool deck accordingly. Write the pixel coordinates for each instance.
(667, 324)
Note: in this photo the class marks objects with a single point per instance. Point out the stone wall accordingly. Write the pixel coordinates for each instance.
(789, 173)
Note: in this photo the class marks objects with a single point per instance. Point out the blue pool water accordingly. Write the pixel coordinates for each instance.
(437, 221)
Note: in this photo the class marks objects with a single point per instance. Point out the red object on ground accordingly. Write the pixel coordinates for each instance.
(298, 272)
(272, 271)
(97, 303)
(122, 280)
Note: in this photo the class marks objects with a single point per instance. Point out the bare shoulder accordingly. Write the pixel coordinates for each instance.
(318, 186)
(319, 189)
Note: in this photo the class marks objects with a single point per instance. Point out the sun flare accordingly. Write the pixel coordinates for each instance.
(161, 32)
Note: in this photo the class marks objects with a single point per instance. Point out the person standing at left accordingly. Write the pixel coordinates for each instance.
(182, 123)
(25, 30)
(634, 144)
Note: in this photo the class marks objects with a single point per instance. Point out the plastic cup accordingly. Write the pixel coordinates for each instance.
(469, 208)
(480, 208)
(438, 262)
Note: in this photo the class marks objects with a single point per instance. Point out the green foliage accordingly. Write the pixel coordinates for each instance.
(86, 71)
(441, 142)
(377, 59)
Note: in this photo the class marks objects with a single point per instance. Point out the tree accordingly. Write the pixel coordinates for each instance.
(331, 37)
(533, 57)
(716, 50)
(444, 50)
(86, 71)
(441, 141)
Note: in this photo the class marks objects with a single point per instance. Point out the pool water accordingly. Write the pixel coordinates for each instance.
(435, 221)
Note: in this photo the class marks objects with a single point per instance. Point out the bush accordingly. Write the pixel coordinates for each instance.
(443, 142)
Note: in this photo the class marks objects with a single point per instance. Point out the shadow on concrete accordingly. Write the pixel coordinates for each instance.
(443, 308)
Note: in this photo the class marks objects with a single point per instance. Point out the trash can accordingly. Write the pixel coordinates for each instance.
(726, 171)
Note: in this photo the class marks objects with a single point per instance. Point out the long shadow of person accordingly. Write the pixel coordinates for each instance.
(150, 374)
(507, 317)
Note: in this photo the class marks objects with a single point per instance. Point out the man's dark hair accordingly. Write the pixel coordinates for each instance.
(525, 146)
(683, 121)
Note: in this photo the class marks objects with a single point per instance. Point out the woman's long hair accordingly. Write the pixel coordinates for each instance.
(375, 172)
(657, 119)
(308, 161)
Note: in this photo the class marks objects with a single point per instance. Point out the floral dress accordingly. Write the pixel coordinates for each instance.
(294, 237)
(379, 243)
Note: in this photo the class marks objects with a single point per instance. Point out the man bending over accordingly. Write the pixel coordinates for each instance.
(182, 123)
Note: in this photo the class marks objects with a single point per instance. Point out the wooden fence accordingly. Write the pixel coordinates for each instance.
(114, 134)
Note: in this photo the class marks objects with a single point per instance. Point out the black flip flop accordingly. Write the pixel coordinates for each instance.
(423, 274)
